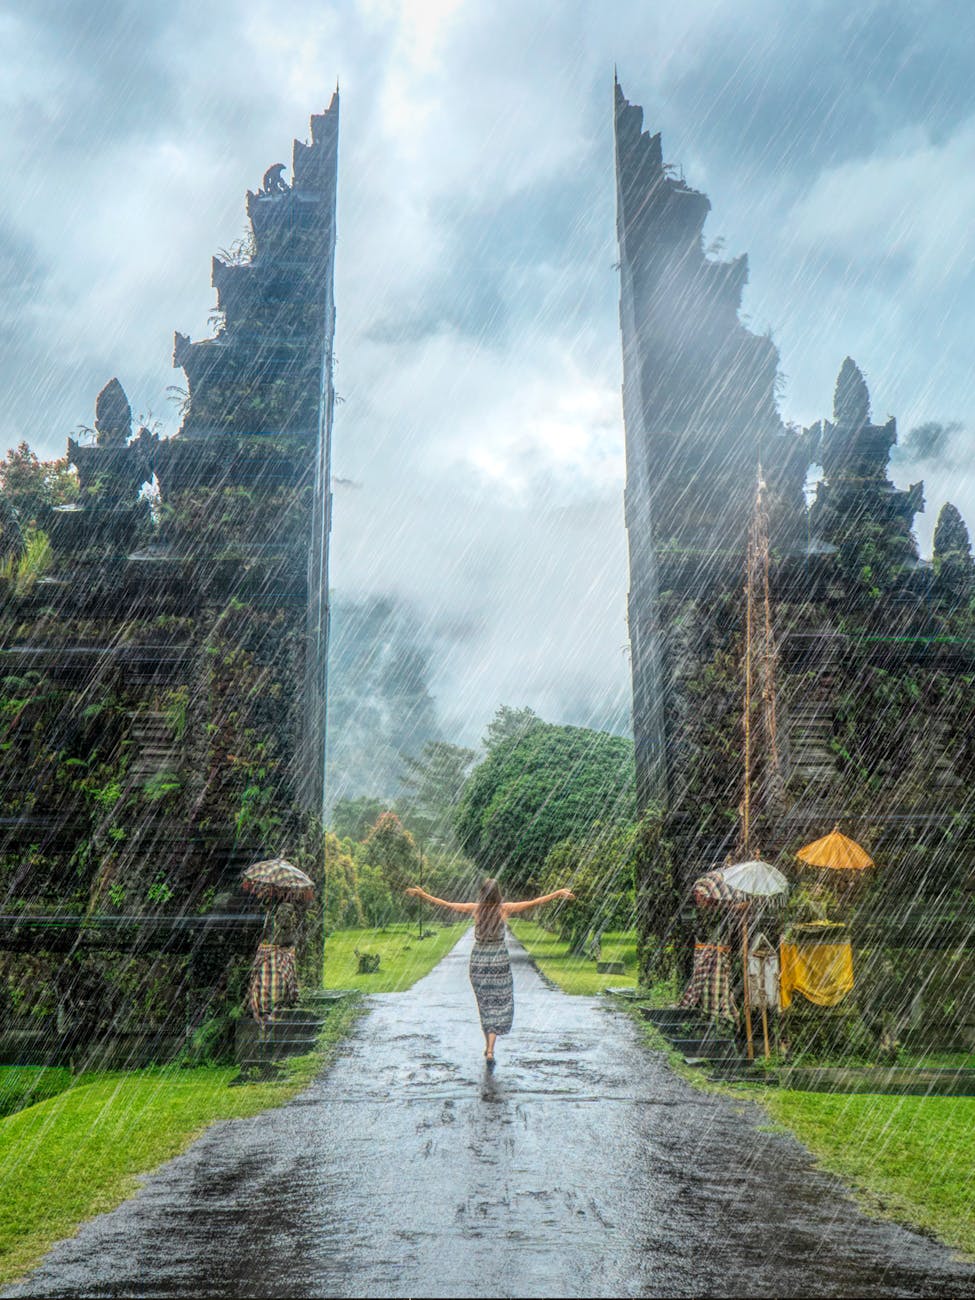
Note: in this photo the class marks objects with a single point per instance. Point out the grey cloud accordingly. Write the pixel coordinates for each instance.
(931, 441)
(477, 304)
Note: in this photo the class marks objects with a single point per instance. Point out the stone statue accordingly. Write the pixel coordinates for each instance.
(273, 182)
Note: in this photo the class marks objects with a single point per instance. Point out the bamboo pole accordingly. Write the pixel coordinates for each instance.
(744, 960)
(764, 996)
(746, 803)
(746, 800)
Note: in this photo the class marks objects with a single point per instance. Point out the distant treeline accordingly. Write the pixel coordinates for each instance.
(546, 806)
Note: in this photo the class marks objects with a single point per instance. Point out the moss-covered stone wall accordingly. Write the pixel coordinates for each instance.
(162, 651)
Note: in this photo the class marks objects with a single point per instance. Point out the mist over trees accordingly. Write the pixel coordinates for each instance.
(379, 701)
(433, 785)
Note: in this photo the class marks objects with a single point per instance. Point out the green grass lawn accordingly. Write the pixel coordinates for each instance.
(910, 1158)
(24, 1085)
(578, 974)
(404, 958)
(937, 1060)
(79, 1154)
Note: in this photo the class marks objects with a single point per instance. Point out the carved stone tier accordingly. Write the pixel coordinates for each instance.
(233, 460)
(114, 472)
(235, 933)
(860, 452)
(855, 491)
(133, 664)
(77, 527)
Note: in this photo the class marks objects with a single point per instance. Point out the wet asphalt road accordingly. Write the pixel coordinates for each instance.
(581, 1167)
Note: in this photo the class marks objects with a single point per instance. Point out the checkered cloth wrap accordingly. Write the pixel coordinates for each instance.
(710, 985)
(274, 981)
(490, 971)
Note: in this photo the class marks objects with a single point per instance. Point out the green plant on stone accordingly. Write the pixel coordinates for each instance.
(34, 562)
(107, 794)
(159, 891)
(174, 706)
(161, 784)
(206, 900)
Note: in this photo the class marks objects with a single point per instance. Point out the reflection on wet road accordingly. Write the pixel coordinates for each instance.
(581, 1167)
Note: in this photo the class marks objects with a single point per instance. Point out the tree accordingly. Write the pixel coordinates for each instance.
(434, 783)
(600, 872)
(509, 724)
(391, 848)
(550, 784)
(31, 485)
(353, 819)
(342, 905)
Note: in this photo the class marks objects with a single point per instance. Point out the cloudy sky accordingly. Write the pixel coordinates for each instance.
(479, 443)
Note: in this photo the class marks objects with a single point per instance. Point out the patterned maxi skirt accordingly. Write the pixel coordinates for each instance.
(274, 982)
(710, 983)
(491, 977)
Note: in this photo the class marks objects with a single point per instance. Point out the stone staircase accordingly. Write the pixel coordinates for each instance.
(153, 748)
(705, 1044)
(294, 1031)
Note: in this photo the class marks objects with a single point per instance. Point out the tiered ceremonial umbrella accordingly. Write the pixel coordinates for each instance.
(835, 852)
(276, 881)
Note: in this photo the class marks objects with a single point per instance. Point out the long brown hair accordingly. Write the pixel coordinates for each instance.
(488, 924)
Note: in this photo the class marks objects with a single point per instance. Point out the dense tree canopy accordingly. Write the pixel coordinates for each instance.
(30, 484)
(600, 872)
(392, 848)
(509, 724)
(538, 788)
(353, 819)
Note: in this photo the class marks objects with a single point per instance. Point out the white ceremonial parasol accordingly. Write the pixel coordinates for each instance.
(757, 879)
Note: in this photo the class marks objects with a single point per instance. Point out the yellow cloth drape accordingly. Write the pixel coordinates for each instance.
(821, 972)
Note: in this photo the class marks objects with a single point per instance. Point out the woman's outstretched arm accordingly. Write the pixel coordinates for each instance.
(512, 909)
(467, 908)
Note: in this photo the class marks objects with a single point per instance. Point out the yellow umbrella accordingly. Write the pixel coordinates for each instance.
(835, 852)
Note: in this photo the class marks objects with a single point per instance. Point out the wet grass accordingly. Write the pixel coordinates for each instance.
(911, 1159)
(574, 974)
(403, 956)
(935, 1060)
(81, 1153)
(25, 1085)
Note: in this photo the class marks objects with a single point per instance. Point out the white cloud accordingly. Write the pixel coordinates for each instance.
(477, 305)
(913, 203)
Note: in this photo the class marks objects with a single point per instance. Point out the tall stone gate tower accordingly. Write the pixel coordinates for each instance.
(163, 661)
(872, 651)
